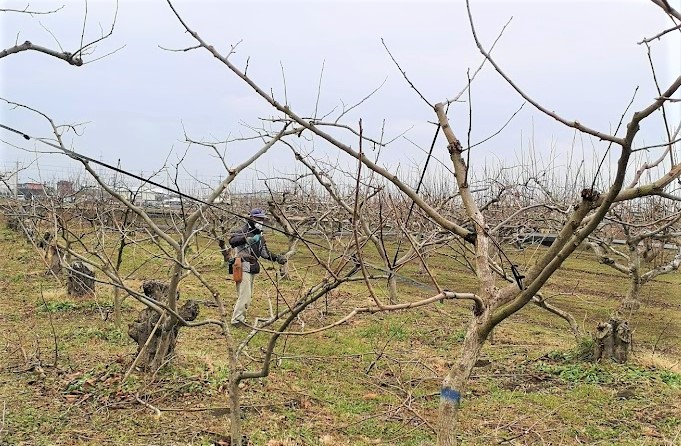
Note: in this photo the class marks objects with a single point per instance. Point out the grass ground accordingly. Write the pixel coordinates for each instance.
(372, 381)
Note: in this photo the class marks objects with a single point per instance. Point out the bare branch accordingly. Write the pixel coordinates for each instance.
(445, 295)
(31, 12)
(573, 124)
(482, 64)
(445, 223)
(360, 102)
(72, 59)
(666, 7)
(404, 74)
(660, 34)
(181, 50)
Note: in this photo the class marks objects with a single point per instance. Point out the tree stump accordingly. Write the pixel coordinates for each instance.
(14, 224)
(54, 260)
(162, 345)
(613, 340)
(80, 280)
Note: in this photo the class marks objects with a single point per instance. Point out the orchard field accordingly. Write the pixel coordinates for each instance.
(373, 380)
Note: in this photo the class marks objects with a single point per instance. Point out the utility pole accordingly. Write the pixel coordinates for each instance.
(16, 181)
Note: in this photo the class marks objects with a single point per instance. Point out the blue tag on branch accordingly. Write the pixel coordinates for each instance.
(450, 395)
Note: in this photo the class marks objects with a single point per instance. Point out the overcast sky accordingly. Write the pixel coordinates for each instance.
(580, 59)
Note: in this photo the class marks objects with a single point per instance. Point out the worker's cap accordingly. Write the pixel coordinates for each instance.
(257, 214)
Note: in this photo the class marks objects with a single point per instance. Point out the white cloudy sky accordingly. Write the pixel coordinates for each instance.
(579, 58)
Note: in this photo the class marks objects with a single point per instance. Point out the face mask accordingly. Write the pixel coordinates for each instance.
(258, 226)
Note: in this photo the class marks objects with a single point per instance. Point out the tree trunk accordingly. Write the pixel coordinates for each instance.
(632, 301)
(117, 301)
(422, 265)
(392, 289)
(45, 241)
(80, 280)
(162, 330)
(613, 338)
(284, 272)
(235, 410)
(613, 341)
(54, 260)
(454, 384)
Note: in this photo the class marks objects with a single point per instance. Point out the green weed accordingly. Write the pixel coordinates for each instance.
(397, 332)
(109, 334)
(578, 373)
(460, 335)
(582, 351)
(669, 423)
(671, 379)
(57, 306)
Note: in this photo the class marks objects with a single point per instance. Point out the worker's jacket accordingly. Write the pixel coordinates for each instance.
(249, 251)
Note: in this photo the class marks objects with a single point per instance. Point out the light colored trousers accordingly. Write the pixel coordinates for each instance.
(244, 292)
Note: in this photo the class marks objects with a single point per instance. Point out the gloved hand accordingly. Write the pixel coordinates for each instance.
(255, 239)
(282, 260)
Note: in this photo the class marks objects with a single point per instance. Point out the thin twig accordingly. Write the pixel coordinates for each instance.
(404, 74)
(538, 106)
(154, 408)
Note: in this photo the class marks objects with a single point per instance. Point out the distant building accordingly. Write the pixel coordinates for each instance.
(143, 195)
(34, 190)
(65, 188)
(153, 194)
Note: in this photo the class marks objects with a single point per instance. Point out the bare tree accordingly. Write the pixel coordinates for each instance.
(646, 233)
(493, 303)
(157, 327)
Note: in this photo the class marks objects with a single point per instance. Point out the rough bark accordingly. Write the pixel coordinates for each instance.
(156, 290)
(164, 338)
(613, 341)
(235, 412)
(80, 280)
(54, 260)
(454, 384)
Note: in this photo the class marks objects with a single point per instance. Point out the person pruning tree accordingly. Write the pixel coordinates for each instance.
(250, 245)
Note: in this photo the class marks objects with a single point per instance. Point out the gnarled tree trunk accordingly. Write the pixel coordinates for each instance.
(156, 334)
(613, 340)
(80, 280)
(54, 260)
